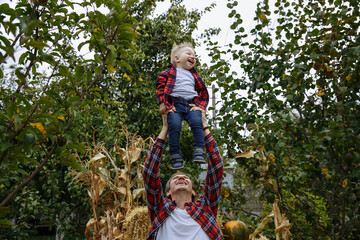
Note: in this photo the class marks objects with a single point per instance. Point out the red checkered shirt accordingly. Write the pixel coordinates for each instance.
(203, 210)
(165, 83)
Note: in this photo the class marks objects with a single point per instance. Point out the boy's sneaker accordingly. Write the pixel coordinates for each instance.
(199, 155)
(177, 162)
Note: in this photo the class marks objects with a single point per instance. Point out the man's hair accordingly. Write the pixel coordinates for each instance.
(176, 49)
(167, 187)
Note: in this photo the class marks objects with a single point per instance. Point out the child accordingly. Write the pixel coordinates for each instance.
(178, 87)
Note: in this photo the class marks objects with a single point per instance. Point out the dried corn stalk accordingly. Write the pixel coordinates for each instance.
(261, 226)
(113, 191)
(282, 224)
(261, 237)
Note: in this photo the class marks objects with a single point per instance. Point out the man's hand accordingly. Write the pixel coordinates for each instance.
(162, 108)
(165, 128)
(164, 119)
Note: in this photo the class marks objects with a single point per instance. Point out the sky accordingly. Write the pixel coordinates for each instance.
(218, 18)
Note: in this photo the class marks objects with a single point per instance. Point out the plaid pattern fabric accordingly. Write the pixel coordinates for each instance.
(203, 210)
(165, 83)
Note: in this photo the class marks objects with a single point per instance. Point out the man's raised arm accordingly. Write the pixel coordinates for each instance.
(154, 194)
(213, 181)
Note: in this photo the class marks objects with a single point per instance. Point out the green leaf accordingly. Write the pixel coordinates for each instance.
(8, 49)
(63, 70)
(79, 72)
(17, 122)
(54, 94)
(98, 3)
(97, 58)
(4, 146)
(23, 99)
(36, 44)
(47, 58)
(73, 100)
(70, 160)
(5, 41)
(126, 65)
(278, 103)
(34, 161)
(22, 57)
(315, 32)
(28, 138)
(5, 223)
(120, 17)
(5, 9)
(337, 133)
(111, 48)
(4, 211)
(20, 170)
(82, 44)
(130, 2)
(32, 25)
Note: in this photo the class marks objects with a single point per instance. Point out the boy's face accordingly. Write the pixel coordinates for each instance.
(185, 58)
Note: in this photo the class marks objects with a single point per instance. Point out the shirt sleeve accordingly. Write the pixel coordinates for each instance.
(154, 193)
(160, 86)
(202, 100)
(213, 181)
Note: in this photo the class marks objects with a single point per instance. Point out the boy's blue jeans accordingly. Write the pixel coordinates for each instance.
(175, 120)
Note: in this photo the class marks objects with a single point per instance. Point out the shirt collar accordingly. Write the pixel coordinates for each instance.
(172, 66)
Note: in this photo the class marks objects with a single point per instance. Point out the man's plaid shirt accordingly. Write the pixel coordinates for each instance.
(203, 210)
(165, 83)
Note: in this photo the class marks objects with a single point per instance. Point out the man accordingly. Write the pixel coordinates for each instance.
(175, 215)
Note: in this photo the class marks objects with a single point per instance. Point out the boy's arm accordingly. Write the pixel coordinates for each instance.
(160, 92)
(160, 86)
(202, 100)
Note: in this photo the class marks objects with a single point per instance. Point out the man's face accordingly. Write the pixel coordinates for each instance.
(180, 182)
(185, 59)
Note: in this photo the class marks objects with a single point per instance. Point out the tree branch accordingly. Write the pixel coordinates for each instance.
(32, 175)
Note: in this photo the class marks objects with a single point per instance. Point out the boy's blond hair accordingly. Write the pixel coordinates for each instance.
(175, 50)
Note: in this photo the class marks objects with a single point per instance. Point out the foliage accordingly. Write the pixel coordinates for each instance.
(52, 200)
(298, 104)
(47, 86)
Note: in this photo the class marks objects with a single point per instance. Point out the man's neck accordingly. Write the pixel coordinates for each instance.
(181, 199)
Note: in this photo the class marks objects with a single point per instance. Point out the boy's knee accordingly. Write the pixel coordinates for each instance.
(174, 124)
(195, 122)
